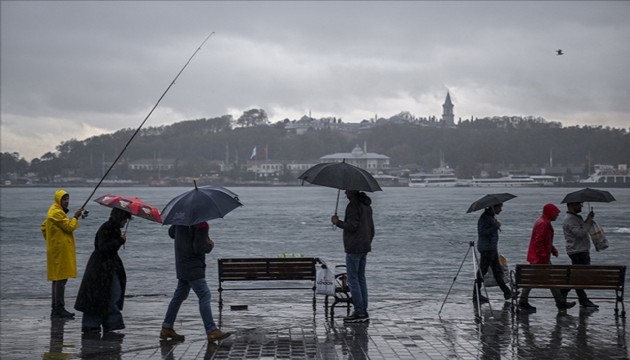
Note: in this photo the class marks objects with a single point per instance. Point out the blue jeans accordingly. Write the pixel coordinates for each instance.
(355, 266)
(113, 320)
(200, 287)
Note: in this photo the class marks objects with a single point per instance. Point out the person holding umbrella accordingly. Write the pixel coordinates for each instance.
(487, 243)
(188, 214)
(578, 243)
(102, 292)
(358, 232)
(192, 243)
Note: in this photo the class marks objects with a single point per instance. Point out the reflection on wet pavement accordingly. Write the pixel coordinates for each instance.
(399, 328)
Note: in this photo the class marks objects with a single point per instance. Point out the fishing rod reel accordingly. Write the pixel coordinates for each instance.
(85, 214)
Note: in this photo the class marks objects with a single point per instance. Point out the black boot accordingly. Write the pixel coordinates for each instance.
(482, 299)
(61, 313)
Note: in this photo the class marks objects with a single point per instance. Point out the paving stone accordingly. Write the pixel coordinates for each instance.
(398, 328)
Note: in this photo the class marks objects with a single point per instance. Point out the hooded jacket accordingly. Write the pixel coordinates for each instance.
(541, 242)
(358, 225)
(191, 247)
(95, 291)
(58, 230)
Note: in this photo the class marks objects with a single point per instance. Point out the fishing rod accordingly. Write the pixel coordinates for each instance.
(145, 120)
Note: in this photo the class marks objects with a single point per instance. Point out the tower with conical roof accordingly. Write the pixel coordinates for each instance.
(448, 117)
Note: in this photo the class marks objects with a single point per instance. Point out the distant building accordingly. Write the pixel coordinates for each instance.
(277, 167)
(371, 162)
(152, 165)
(448, 117)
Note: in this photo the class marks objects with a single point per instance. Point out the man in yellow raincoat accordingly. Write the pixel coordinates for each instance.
(58, 230)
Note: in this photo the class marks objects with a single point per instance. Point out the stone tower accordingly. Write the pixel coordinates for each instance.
(448, 118)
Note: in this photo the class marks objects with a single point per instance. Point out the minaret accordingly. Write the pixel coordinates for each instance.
(448, 118)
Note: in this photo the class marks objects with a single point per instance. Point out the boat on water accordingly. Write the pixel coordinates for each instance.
(608, 176)
(442, 176)
(508, 181)
(439, 177)
(388, 180)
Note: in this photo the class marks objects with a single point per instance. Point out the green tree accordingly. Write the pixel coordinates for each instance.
(253, 117)
(12, 163)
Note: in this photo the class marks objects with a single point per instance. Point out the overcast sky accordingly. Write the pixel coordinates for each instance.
(77, 69)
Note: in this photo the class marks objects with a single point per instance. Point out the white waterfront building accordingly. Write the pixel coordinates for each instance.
(359, 157)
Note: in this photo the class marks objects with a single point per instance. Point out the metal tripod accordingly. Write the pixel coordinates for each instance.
(471, 245)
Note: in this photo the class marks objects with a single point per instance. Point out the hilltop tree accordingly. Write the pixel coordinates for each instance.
(253, 117)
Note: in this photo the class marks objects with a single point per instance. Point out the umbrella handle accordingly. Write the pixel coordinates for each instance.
(334, 227)
(495, 214)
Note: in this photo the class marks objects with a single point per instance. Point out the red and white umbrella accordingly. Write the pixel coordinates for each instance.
(133, 205)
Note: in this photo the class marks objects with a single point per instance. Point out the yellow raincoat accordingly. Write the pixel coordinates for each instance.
(58, 230)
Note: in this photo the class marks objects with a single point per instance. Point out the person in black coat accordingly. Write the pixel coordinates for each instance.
(102, 291)
(358, 233)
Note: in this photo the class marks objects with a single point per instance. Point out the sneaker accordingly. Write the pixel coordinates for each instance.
(588, 304)
(355, 318)
(565, 305)
(527, 307)
(216, 335)
(167, 333)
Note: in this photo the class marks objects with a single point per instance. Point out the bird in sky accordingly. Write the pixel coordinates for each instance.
(559, 52)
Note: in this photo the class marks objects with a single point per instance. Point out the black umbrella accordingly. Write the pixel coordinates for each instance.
(588, 195)
(198, 205)
(490, 200)
(342, 176)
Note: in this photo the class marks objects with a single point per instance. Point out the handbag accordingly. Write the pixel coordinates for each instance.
(325, 282)
(489, 280)
(598, 237)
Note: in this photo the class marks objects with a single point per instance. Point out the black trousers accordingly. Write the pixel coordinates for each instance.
(583, 258)
(59, 294)
(489, 259)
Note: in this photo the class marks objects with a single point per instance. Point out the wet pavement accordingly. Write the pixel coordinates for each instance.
(399, 328)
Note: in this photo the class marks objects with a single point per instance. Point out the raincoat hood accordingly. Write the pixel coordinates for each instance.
(118, 216)
(364, 199)
(58, 195)
(550, 211)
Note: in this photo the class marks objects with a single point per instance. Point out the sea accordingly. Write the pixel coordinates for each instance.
(423, 245)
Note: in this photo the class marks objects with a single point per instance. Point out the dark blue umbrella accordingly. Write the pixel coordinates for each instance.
(198, 205)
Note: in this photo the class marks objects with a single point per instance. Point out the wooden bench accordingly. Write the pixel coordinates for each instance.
(342, 291)
(267, 269)
(586, 277)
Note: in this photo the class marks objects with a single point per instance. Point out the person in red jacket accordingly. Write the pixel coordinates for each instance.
(540, 250)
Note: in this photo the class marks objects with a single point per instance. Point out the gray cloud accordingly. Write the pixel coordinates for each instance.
(76, 69)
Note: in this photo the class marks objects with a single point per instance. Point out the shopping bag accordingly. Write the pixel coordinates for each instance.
(598, 237)
(488, 279)
(325, 282)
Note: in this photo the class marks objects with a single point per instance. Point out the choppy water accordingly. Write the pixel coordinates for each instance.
(422, 235)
